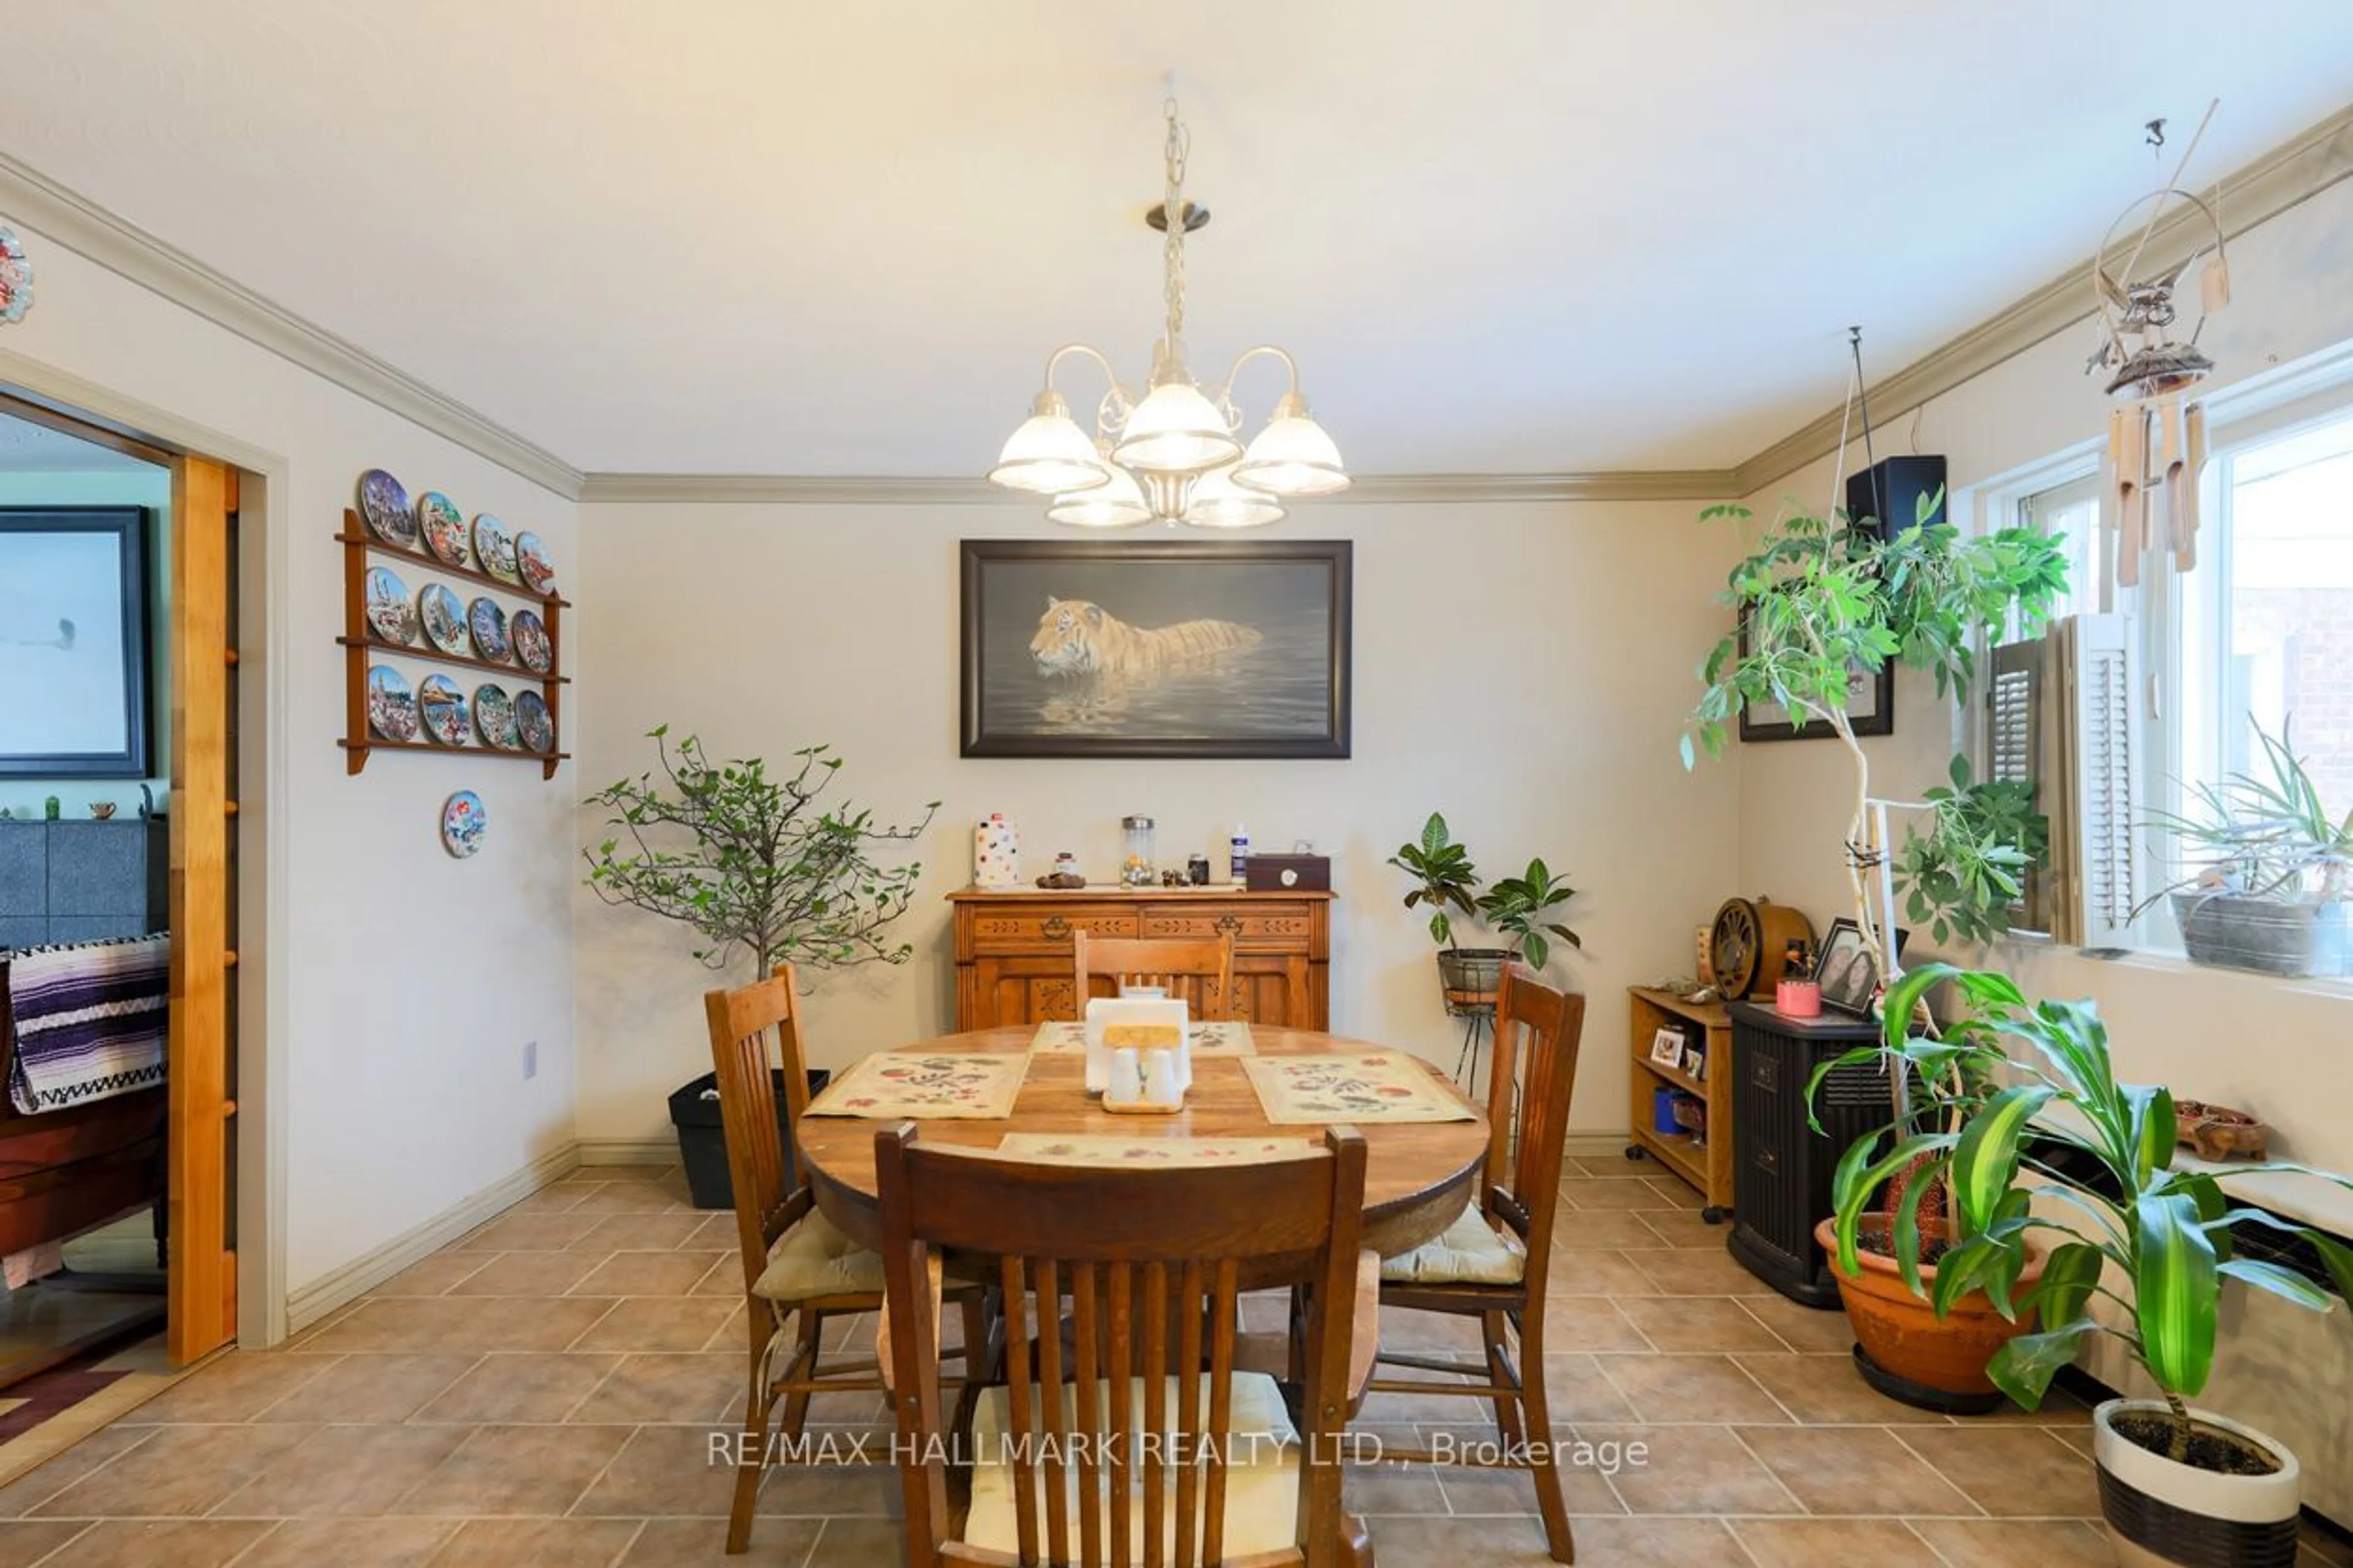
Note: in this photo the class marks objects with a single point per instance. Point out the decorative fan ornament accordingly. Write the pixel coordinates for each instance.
(2157, 441)
(16, 278)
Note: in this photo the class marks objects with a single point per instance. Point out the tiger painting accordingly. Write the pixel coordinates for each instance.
(1078, 639)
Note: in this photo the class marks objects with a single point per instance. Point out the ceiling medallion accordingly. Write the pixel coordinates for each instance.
(1171, 454)
(16, 278)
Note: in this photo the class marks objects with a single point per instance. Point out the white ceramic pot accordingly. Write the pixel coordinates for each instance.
(2165, 1515)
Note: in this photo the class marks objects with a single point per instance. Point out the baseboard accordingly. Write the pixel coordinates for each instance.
(1596, 1146)
(627, 1151)
(347, 1283)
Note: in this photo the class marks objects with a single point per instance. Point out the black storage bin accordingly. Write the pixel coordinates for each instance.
(702, 1143)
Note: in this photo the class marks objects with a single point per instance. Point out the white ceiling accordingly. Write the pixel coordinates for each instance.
(30, 448)
(1517, 236)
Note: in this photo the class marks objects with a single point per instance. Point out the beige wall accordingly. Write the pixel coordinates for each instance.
(1520, 667)
(2269, 1045)
(400, 984)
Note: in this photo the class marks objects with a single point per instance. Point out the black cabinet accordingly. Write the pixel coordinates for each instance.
(1781, 1166)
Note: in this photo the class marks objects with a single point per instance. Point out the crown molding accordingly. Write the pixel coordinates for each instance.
(2290, 174)
(122, 248)
(795, 489)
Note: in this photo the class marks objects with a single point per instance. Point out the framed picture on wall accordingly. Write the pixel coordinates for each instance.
(1870, 707)
(73, 642)
(1155, 648)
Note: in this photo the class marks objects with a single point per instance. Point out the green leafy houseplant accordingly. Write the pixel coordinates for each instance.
(1443, 876)
(1817, 602)
(2165, 1233)
(1962, 875)
(755, 864)
(1516, 906)
(2267, 837)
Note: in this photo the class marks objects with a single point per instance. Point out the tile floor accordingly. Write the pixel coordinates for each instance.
(541, 1391)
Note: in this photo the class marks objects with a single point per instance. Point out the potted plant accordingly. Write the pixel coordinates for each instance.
(2276, 893)
(1820, 608)
(2142, 1254)
(755, 867)
(1445, 879)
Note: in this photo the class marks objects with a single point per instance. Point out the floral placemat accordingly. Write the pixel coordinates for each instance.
(1384, 1086)
(1209, 1039)
(922, 1084)
(1085, 1149)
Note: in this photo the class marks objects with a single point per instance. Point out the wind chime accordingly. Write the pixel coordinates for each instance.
(2157, 438)
(16, 278)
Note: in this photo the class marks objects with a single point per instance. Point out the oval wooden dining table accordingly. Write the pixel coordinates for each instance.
(1418, 1176)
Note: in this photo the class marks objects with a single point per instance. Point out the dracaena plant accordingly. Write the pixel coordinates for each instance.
(755, 864)
(2004, 1082)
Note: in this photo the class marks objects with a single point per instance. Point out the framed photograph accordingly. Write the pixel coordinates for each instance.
(73, 641)
(1696, 1062)
(1123, 648)
(1870, 706)
(1848, 971)
(1667, 1048)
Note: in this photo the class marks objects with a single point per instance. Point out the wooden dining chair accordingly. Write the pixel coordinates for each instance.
(1132, 1431)
(1200, 970)
(1491, 1263)
(799, 1269)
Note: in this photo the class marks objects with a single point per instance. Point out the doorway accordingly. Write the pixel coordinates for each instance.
(116, 1191)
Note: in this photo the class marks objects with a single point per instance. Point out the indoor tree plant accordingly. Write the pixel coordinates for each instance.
(1817, 604)
(1447, 883)
(2275, 894)
(757, 867)
(2142, 1251)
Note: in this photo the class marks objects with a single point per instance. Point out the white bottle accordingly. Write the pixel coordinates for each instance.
(1237, 855)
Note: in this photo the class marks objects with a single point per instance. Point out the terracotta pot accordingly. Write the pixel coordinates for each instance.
(1903, 1348)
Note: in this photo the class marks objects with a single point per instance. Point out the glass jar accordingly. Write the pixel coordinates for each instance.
(1136, 866)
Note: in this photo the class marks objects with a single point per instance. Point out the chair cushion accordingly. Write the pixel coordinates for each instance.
(1472, 1252)
(814, 1258)
(1261, 1474)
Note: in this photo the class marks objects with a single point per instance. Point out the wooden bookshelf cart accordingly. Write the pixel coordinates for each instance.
(1707, 1166)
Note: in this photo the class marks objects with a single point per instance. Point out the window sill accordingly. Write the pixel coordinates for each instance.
(2160, 960)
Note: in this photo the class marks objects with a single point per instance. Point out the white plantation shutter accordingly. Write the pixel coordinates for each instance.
(2014, 752)
(2097, 724)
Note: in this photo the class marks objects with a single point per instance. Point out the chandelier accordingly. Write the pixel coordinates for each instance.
(1171, 454)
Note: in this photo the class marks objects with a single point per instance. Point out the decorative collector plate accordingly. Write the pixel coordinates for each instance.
(532, 647)
(464, 820)
(392, 707)
(490, 626)
(533, 722)
(389, 609)
(444, 526)
(385, 504)
(531, 559)
(493, 548)
(448, 719)
(494, 716)
(445, 620)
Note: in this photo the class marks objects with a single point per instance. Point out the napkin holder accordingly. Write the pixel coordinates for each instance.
(1116, 1021)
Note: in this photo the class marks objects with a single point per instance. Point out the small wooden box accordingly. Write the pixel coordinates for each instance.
(1289, 874)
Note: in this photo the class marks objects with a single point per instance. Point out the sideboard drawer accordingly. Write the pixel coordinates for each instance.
(1253, 925)
(1029, 928)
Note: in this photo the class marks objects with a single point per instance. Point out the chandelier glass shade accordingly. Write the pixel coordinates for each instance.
(1173, 453)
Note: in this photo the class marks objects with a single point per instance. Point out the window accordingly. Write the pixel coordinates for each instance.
(2267, 615)
(2073, 509)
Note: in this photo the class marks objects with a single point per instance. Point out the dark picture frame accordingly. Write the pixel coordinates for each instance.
(39, 628)
(1264, 671)
(1870, 707)
(1847, 970)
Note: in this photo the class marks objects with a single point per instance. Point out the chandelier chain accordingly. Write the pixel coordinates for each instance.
(1172, 250)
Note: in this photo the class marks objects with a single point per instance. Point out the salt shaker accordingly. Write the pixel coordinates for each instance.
(1160, 1086)
(1126, 1076)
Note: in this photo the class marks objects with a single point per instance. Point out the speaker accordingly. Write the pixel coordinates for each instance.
(1892, 490)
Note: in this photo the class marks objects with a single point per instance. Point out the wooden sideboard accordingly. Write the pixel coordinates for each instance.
(1013, 948)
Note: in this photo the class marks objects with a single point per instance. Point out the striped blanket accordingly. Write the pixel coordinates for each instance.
(89, 1020)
